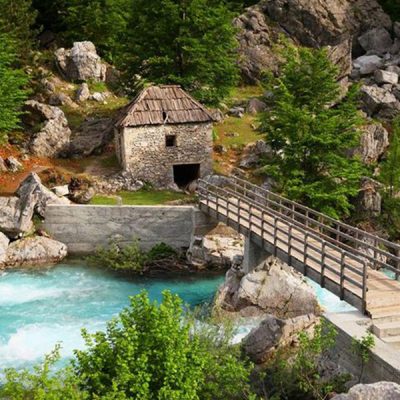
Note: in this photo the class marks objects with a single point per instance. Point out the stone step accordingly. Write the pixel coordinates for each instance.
(384, 312)
(393, 340)
(380, 299)
(386, 329)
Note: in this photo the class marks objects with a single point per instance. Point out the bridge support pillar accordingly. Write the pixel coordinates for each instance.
(254, 255)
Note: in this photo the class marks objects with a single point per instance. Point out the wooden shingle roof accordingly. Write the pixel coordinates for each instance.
(164, 104)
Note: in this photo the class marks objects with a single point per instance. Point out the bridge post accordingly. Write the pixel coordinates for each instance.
(254, 255)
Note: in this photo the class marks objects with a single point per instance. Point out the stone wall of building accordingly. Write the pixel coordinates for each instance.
(84, 228)
(143, 151)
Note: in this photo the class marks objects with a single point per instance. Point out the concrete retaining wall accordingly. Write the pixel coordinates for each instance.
(84, 228)
(384, 362)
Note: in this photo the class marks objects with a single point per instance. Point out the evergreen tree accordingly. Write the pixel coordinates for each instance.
(12, 82)
(188, 42)
(51, 14)
(311, 138)
(17, 18)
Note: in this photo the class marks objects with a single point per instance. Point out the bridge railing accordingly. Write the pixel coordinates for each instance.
(300, 242)
(378, 252)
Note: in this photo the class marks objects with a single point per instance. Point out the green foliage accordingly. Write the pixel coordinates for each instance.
(16, 20)
(362, 348)
(41, 383)
(12, 92)
(150, 352)
(131, 258)
(390, 168)
(120, 258)
(189, 42)
(298, 377)
(311, 138)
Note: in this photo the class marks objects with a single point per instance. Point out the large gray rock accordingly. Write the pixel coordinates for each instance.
(83, 93)
(396, 28)
(373, 144)
(91, 136)
(4, 241)
(13, 165)
(53, 136)
(15, 216)
(255, 106)
(368, 64)
(81, 63)
(274, 333)
(381, 76)
(369, 201)
(33, 192)
(272, 288)
(377, 41)
(253, 153)
(377, 100)
(373, 391)
(33, 251)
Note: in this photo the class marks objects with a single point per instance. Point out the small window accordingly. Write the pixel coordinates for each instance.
(170, 141)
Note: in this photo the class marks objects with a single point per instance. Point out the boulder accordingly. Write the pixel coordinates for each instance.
(369, 200)
(217, 250)
(220, 148)
(33, 251)
(237, 112)
(372, 391)
(15, 216)
(255, 106)
(61, 99)
(274, 333)
(376, 41)
(272, 288)
(83, 93)
(83, 196)
(13, 165)
(81, 63)
(99, 97)
(53, 134)
(4, 241)
(393, 68)
(60, 191)
(381, 76)
(253, 153)
(367, 64)
(92, 135)
(375, 98)
(373, 144)
(3, 166)
(33, 193)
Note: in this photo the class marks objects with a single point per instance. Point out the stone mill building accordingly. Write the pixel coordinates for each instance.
(165, 137)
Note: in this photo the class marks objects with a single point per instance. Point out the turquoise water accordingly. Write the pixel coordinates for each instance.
(40, 308)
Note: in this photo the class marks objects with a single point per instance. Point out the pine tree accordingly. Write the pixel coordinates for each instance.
(311, 138)
(188, 42)
(12, 82)
(17, 18)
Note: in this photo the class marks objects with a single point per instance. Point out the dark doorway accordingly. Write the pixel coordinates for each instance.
(186, 173)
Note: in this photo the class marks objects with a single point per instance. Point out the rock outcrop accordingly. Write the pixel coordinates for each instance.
(4, 241)
(369, 201)
(217, 250)
(33, 193)
(253, 153)
(373, 144)
(15, 216)
(34, 251)
(92, 136)
(274, 333)
(310, 23)
(51, 135)
(272, 288)
(373, 391)
(81, 62)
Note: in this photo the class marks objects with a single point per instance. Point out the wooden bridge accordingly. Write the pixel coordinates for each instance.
(359, 267)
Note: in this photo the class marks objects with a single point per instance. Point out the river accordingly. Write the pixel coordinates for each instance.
(39, 308)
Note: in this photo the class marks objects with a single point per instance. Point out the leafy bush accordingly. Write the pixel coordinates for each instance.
(130, 258)
(150, 351)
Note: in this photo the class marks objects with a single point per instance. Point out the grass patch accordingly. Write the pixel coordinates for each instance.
(142, 198)
(95, 86)
(241, 127)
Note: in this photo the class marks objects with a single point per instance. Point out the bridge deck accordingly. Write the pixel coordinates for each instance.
(339, 270)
